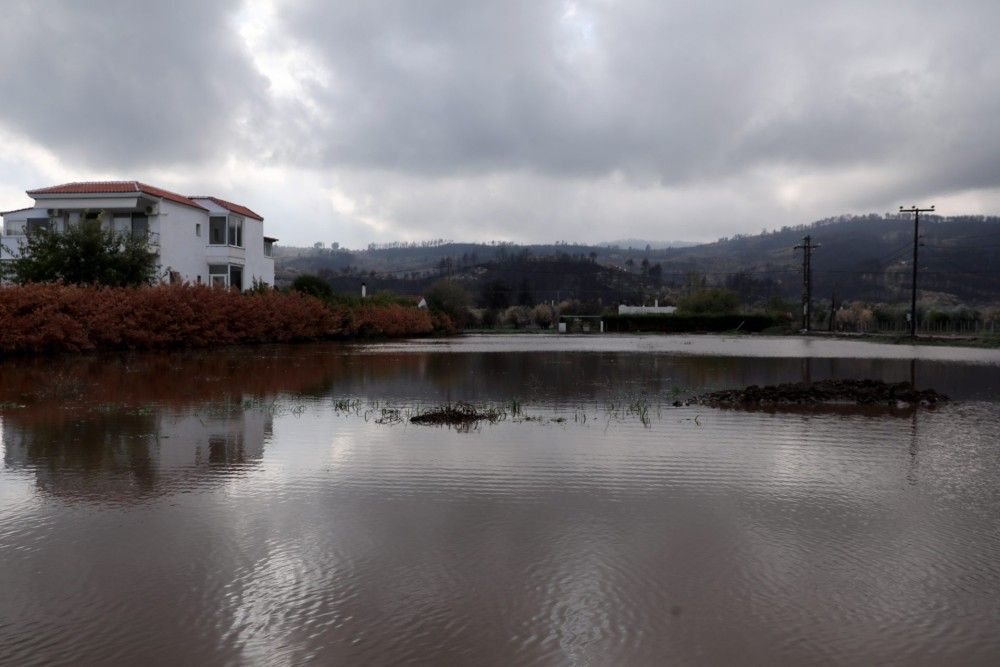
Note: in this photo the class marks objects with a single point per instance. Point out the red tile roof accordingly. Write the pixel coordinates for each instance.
(234, 208)
(17, 210)
(102, 187)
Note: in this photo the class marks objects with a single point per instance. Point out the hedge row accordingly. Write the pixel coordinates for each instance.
(382, 321)
(688, 323)
(58, 318)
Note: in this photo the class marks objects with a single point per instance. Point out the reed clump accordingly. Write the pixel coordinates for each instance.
(457, 414)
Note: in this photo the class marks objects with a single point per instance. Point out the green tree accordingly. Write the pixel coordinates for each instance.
(313, 286)
(524, 297)
(710, 301)
(85, 253)
(496, 295)
(448, 297)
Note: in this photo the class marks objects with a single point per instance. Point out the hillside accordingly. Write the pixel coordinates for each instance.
(864, 257)
(861, 257)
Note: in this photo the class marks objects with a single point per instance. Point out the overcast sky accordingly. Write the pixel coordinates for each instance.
(525, 121)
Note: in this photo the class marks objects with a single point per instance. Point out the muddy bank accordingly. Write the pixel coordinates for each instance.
(825, 392)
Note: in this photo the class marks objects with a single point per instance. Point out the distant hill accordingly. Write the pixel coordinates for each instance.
(642, 243)
(865, 257)
(861, 257)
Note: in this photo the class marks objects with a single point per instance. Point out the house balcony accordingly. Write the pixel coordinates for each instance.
(13, 239)
(152, 239)
(217, 254)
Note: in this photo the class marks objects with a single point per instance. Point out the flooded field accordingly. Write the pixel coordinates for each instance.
(274, 505)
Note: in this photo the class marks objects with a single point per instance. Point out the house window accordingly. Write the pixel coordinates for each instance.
(268, 248)
(218, 275)
(197, 229)
(236, 231)
(217, 230)
(140, 225)
(34, 224)
(14, 228)
(236, 276)
(121, 223)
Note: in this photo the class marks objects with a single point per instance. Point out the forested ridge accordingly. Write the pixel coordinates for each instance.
(866, 257)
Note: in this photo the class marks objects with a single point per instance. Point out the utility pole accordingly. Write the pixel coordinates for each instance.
(916, 244)
(807, 247)
(833, 311)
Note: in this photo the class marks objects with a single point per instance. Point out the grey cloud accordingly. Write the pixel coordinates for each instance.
(120, 84)
(629, 107)
(670, 90)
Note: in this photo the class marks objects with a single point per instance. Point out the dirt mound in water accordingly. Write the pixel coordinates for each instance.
(824, 392)
(458, 414)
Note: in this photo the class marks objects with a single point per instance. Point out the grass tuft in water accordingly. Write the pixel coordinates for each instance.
(457, 414)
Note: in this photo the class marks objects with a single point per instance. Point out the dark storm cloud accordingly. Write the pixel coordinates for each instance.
(116, 83)
(526, 118)
(671, 90)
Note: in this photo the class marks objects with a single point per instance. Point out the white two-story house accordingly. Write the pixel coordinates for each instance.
(198, 239)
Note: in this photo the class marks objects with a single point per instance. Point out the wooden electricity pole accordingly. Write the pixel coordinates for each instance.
(807, 247)
(916, 244)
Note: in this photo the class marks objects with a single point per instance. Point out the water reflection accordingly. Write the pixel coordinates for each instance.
(555, 376)
(115, 453)
(134, 425)
(218, 508)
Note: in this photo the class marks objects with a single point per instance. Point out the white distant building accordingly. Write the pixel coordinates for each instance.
(647, 310)
(197, 239)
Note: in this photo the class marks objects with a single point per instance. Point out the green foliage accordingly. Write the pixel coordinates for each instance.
(490, 318)
(496, 294)
(312, 286)
(544, 315)
(777, 305)
(710, 301)
(258, 287)
(450, 298)
(85, 254)
(381, 298)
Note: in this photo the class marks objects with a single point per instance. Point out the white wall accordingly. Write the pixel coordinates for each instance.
(647, 310)
(258, 267)
(255, 265)
(181, 249)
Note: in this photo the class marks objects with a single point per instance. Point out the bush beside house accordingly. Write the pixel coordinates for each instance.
(53, 317)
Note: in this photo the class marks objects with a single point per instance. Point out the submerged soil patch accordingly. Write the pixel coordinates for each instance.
(457, 415)
(824, 392)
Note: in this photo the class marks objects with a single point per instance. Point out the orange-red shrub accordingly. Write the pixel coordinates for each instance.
(391, 321)
(55, 318)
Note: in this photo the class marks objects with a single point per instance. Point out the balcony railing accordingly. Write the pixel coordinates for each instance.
(152, 238)
(14, 236)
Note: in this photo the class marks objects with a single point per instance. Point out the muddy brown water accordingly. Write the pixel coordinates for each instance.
(273, 506)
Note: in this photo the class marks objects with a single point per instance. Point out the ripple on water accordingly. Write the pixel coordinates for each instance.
(287, 531)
